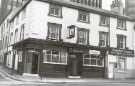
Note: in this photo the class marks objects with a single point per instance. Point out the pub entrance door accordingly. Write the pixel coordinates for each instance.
(75, 65)
(31, 66)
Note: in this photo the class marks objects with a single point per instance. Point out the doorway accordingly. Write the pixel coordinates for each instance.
(35, 64)
(32, 60)
(111, 70)
(75, 65)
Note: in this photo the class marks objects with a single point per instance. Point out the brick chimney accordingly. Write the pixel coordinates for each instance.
(117, 7)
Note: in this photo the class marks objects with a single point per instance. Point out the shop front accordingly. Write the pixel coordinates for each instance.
(120, 63)
(48, 59)
(86, 63)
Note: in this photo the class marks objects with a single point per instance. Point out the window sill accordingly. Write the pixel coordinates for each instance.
(87, 22)
(122, 28)
(55, 63)
(92, 65)
(51, 39)
(71, 36)
(104, 25)
(121, 48)
(102, 46)
(83, 43)
(55, 16)
(120, 71)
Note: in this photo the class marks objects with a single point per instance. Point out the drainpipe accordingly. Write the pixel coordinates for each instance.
(107, 53)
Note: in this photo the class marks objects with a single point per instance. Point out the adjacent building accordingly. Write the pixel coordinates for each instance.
(68, 38)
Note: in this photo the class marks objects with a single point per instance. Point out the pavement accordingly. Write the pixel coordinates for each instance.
(16, 77)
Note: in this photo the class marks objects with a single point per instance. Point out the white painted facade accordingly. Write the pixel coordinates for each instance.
(36, 20)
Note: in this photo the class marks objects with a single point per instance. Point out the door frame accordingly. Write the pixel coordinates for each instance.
(113, 71)
(77, 63)
(37, 63)
(25, 65)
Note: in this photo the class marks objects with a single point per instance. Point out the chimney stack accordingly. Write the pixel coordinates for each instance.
(117, 7)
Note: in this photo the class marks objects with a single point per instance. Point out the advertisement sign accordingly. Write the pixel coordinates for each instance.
(122, 52)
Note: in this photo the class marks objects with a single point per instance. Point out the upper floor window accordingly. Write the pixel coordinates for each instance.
(22, 32)
(83, 17)
(93, 60)
(121, 41)
(16, 35)
(11, 38)
(103, 39)
(55, 10)
(104, 20)
(54, 31)
(121, 24)
(83, 36)
(55, 56)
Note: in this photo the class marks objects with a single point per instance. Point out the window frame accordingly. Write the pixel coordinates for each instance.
(105, 39)
(86, 35)
(60, 57)
(16, 36)
(81, 15)
(106, 20)
(123, 43)
(90, 58)
(118, 60)
(55, 6)
(58, 30)
(22, 32)
(123, 26)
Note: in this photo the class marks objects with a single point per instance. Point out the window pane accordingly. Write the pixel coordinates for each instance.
(55, 10)
(86, 56)
(48, 58)
(83, 16)
(87, 61)
(48, 52)
(52, 10)
(53, 31)
(100, 61)
(82, 37)
(55, 58)
(63, 59)
(93, 61)
(121, 63)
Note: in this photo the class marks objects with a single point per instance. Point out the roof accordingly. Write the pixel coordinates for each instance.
(88, 8)
(80, 7)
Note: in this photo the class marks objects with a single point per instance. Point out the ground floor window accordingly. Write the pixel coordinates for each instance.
(55, 56)
(93, 60)
(20, 56)
(121, 63)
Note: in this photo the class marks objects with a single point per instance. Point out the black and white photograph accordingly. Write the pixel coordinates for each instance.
(67, 42)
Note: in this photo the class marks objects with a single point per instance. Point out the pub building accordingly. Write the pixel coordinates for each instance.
(64, 40)
(60, 59)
